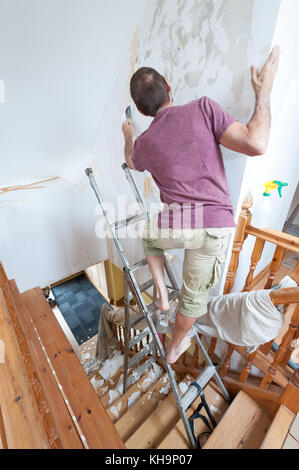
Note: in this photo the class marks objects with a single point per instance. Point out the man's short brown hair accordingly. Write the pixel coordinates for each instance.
(149, 90)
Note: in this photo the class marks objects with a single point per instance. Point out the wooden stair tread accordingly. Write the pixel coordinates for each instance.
(120, 406)
(278, 430)
(177, 438)
(243, 426)
(157, 425)
(108, 385)
(141, 410)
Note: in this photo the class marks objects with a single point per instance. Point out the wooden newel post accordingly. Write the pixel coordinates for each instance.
(240, 236)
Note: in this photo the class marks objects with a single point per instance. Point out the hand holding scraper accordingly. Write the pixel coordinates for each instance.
(128, 126)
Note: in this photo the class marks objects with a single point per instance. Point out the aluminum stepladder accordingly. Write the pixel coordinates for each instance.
(148, 312)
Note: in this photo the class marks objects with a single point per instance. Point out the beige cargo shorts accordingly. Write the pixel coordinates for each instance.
(204, 252)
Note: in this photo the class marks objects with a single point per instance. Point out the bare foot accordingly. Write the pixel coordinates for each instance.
(174, 352)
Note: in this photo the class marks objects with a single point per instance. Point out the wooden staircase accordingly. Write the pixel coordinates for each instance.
(146, 416)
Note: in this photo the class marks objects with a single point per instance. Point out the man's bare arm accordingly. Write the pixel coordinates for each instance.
(128, 131)
(253, 139)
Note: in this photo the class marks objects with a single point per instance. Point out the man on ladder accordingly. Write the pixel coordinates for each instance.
(181, 151)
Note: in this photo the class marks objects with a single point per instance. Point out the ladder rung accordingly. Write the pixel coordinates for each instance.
(130, 220)
(138, 265)
(192, 392)
(140, 371)
(138, 338)
(140, 355)
(143, 287)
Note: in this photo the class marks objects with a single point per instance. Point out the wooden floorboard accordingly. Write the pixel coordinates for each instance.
(157, 426)
(64, 425)
(90, 415)
(22, 421)
(243, 426)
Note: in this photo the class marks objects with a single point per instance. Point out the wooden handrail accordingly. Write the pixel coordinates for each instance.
(285, 296)
(290, 242)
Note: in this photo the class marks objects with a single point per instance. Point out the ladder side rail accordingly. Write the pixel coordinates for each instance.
(135, 188)
(96, 189)
(160, 348)
(141, 202)
(210, 363)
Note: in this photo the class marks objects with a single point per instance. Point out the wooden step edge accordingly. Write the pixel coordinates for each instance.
(106, 385)
(138, 411)
(177, 437)
(119, 407)
(278, 430)
(268, 399)
(243, 426)
(158, 423)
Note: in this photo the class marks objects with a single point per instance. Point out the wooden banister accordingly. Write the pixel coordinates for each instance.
(285, 296)
(22, 420)
(61, 419)
(281, 239)
(93, 423)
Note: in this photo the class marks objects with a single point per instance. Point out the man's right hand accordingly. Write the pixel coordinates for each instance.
(253, 139)
(263, 82)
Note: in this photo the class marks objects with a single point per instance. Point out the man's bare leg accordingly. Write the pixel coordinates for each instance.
(156, 265)
(179, 343)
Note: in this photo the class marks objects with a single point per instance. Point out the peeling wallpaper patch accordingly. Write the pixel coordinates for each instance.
(202, 49)
(190, 42)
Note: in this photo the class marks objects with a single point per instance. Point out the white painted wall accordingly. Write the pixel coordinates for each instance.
(281, 160)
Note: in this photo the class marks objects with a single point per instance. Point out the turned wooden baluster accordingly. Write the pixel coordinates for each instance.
(289, 351)
(295, 378)
(247, 368)
(266, 348)
(295, 274)
(275, 265)
(225, 366)
(240, 236)
(212, 348)
(255, 257)
(280, 354)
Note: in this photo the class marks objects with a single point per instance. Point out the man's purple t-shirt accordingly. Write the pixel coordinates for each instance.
(181, 151)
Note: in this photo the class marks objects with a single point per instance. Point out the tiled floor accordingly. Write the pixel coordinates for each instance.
(80, 304)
